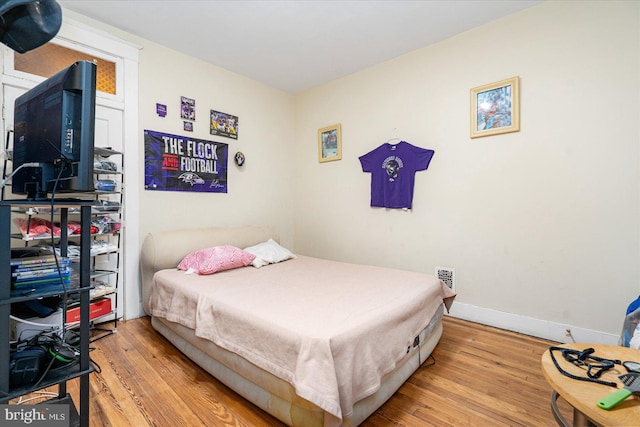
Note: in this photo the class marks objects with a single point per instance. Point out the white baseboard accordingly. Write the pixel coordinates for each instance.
(530, 326)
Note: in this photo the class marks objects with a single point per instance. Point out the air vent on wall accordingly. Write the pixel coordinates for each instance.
(448, 276)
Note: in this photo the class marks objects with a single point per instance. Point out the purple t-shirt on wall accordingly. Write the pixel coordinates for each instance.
(393, 169)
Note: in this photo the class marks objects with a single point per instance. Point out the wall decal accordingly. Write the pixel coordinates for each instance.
(161, 110)
(239, 158)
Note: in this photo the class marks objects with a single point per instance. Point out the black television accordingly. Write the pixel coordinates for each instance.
(53, 142)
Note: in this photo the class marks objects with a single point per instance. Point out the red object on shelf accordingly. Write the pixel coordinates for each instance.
(96, 309)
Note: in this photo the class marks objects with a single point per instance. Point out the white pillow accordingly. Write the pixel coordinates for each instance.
(268, 252)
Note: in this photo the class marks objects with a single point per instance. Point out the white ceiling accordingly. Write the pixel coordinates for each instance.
(295, 45)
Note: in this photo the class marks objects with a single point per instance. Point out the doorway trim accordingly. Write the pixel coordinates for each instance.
(81, 37)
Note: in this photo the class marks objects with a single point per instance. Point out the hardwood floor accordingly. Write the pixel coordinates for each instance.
(482, 376)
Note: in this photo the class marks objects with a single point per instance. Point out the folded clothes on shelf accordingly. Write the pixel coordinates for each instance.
(36, 227)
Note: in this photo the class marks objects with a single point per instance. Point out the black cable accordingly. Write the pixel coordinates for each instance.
(4, 169)
(97, 367)
(44, 374)
(580, 358)
(48, 340)
(432, 363)
(53, 246)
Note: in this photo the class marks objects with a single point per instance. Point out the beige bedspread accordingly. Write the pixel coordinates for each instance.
(331, 329)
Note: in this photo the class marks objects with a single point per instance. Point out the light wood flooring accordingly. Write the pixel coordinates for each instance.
(482, 376)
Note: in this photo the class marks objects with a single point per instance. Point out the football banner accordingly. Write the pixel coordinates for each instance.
(182, 163)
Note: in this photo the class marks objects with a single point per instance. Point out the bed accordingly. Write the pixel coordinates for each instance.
(312, 342)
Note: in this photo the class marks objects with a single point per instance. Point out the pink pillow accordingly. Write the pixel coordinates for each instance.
(216, 258)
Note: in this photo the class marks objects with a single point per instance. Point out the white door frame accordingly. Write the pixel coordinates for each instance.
(78, 36)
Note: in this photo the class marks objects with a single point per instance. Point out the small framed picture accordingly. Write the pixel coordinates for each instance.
(187, 108)
(223, 124)
(495, 108)
(329, 143)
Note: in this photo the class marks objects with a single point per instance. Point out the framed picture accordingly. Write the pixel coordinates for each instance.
(223, 124)
(329, 143)
(187, 108)
(495, 108)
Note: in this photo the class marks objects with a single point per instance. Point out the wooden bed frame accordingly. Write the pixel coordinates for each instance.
(165, 249)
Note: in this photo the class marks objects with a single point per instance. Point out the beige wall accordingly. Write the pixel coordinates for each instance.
(542, 223)
(260, 191)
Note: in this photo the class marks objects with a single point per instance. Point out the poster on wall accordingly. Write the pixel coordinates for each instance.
(182, 163)
(187, 108)
(223, 124)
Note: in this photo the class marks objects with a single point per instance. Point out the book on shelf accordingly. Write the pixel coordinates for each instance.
(32, 261)
(41, 288)
(39, 281)
(40, 267)
(24, 272)
(40, 274)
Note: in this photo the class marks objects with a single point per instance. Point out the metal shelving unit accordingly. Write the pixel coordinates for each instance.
(83, 368)
(105, 270)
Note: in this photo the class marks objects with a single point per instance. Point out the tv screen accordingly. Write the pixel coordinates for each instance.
(54, 127)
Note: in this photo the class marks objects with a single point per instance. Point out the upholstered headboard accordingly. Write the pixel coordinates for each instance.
(165, 249)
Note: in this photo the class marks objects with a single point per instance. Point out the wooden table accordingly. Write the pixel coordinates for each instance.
(583, 396)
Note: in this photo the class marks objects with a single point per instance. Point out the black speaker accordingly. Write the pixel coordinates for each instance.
(28, 24)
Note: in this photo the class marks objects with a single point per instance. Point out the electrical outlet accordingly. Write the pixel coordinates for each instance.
(448, 276)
